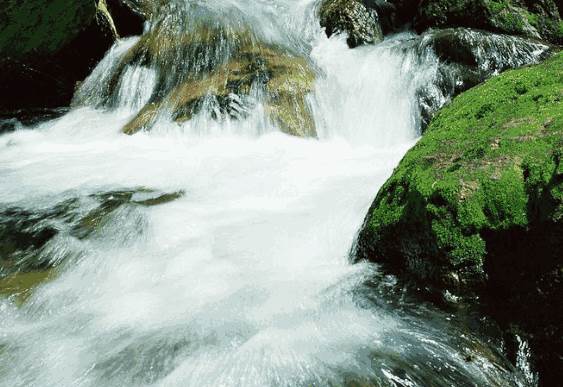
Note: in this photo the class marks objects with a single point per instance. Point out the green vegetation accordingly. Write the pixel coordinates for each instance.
(42, 25)
(540, 20)
(488, 165)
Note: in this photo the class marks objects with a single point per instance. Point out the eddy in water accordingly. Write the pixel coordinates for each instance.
(189, 221)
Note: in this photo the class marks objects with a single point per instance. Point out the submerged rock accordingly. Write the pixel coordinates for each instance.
(25, 234)
(21, 285)
(534, 19)
(352, 17)
(476, 207)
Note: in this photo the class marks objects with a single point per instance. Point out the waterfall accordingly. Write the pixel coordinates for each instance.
(211, 248)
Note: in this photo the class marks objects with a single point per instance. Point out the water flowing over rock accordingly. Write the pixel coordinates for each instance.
(475, 208)
(212, 247)
(352, 17)
(468, 58)
(203, 66)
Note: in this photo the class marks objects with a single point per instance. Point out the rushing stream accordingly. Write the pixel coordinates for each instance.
(223, 259)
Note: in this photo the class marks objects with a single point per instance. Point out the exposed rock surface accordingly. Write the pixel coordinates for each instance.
(352, 17)
(127, 16)
(46, 47)
(476, 207)
(394, 15)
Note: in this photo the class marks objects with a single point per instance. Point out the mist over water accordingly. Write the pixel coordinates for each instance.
(245, 278)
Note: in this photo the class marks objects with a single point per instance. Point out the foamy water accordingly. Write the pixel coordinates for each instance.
(244, 280)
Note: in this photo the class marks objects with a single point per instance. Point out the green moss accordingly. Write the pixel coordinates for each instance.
(488, 163)
(41, 25)
(504, 16)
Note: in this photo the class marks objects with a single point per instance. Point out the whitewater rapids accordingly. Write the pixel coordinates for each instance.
(244, 280)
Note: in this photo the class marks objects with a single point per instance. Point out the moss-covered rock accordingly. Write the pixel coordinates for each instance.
(476, 207)
(47, 46)
(535, 19)
(353, 17)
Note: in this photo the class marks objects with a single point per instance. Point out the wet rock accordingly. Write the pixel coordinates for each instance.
(467, 58)
(46, 47)
(234, 70)
(533, 19)
(476, 207)
(20, 286)
(25, 233)
(352, 17)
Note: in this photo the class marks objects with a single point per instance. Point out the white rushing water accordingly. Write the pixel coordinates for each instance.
(244, 280)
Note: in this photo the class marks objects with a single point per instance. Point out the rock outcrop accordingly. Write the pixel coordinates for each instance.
(128, 17)
(352, 17)
(475, 209)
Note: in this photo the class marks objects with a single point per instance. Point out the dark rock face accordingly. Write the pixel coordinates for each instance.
(127, 18)
(353, 17)
(48, 46)
(475, 209)
(534, 19)
(394, 15)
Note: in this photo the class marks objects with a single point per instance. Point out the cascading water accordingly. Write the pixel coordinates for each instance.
(213, 250)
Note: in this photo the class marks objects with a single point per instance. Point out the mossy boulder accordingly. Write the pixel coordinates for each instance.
(352, 17)
(535, 19)
(475, 209)
(47, 46)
